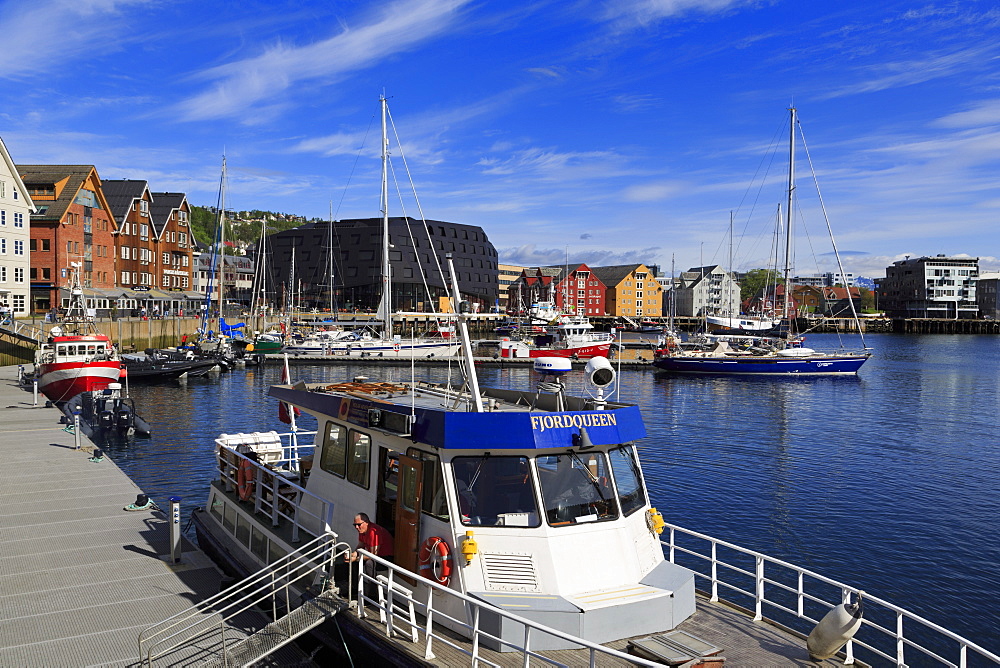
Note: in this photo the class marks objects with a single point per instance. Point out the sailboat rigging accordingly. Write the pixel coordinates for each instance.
(779, 355)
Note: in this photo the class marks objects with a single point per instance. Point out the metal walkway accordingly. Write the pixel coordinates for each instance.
(79, 576)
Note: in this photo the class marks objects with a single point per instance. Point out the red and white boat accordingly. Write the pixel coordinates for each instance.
(569, 336)
(76, 358)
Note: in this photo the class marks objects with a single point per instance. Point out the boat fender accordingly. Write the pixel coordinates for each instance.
(835, 629)
(245, 479)
(435, 560)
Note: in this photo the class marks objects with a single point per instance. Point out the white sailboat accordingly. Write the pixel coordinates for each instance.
(385, 343)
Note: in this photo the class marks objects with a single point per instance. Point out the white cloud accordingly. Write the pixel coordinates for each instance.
(637, 13)
(263, 80)
(43, 34)
(986, 112)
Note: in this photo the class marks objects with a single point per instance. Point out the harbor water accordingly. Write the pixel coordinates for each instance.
(887, 481)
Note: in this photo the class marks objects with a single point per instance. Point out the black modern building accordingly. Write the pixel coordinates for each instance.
(300, 258)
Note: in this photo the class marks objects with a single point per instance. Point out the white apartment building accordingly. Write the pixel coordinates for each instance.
(16, 208)
(707, 291)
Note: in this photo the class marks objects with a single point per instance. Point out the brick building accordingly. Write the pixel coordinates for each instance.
(72, 223)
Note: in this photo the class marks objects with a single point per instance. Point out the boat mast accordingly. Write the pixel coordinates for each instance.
(222, 241)
(791, 197)
(385, 305)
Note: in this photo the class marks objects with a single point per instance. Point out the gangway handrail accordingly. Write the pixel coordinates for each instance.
(474, 607)
(290, 572)
(19, 327)
(759, 596)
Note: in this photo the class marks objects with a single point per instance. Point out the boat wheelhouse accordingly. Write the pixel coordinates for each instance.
(68, 364)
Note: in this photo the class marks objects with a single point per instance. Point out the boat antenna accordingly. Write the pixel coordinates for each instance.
(463, 332)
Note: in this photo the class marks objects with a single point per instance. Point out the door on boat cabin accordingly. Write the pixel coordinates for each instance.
(407, 539)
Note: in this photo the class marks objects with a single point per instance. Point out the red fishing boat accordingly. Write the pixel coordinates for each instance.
(567, 336)
(76, 358)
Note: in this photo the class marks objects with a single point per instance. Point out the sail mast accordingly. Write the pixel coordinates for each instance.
(385, 305)
(791, 196)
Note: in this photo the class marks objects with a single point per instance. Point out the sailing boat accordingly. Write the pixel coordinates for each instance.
(385, 343)
(778, 356)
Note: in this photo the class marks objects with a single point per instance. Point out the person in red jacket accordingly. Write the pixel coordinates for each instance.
(372, 538)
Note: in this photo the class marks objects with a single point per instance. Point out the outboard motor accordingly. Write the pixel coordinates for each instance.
(106, 420)
(124, 418)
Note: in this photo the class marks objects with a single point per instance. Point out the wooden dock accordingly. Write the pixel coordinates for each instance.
(79, 576)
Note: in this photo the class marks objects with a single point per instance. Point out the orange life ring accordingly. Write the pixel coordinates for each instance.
(435, 560)
(245, 479)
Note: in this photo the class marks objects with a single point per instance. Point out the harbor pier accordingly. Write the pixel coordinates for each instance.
(80, 577)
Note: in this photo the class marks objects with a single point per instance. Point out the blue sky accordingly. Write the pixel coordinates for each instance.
(603, 132)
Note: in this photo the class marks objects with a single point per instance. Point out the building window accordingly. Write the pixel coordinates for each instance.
(166, 258)
(18, 219)
(125, 277)
(3, 217)
(3, 246)
(125, 252)
(18, 299)
(19, 274)
(18, 247)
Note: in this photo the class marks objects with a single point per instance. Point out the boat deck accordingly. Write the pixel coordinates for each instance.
(79, 576)
(743, 642)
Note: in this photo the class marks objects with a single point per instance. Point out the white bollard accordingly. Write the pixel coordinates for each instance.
(175, 529)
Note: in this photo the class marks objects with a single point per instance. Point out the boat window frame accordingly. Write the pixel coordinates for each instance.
(469, 494)
(434, 487)
(362, 478)
(634, 457)
(328, 456)
(571, 483)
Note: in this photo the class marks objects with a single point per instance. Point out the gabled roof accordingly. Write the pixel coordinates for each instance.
(614, 275)
(12, 168)
(120, 194)
(74, 176)
(164, 204)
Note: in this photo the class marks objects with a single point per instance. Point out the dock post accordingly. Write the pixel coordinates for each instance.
(76, 427)
(175, 529)
(34, 392)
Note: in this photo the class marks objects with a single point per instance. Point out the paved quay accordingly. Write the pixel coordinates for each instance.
(79, 576)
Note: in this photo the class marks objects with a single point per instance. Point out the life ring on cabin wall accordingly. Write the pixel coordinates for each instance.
(435, 560)
(245, 479)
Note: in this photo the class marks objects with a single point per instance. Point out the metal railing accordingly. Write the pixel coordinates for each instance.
(790, 595)
(275, 494)
(213, 627)
(392, 594)
(24, 330)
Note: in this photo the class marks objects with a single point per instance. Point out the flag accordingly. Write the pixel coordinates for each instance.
(285, 415)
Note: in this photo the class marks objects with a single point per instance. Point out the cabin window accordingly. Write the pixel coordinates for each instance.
(358, 457)
(334, 458)
(242, 530)
(229, 518)
(575, 489)
(258, 543)
(631, 494)
(434, 501)
(495, 491)
(217, 506)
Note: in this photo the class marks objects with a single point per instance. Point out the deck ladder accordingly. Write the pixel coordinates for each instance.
(253, 618)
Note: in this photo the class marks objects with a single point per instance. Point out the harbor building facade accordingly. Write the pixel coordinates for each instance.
(930, 287)
(574, 289)
(632, 291)
(16, 249)
(339, 265)
(988, 295)
(701, 291)
(73, 220)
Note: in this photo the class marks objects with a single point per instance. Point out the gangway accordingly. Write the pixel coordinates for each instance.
(255, 617)
(23, 331)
